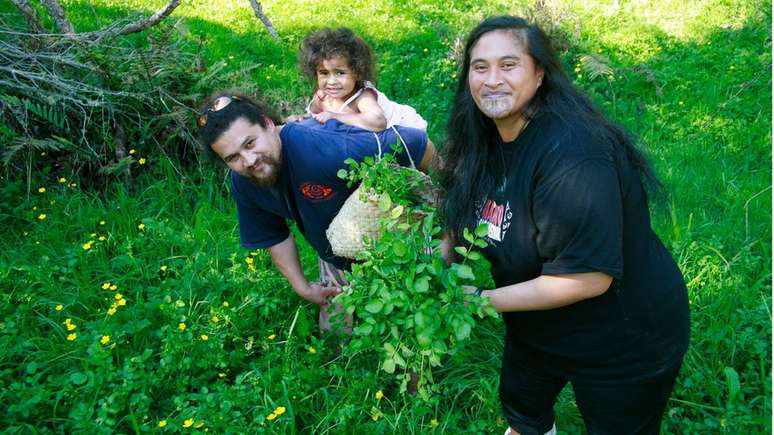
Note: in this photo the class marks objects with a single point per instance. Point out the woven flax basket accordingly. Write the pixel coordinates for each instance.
(360, 214)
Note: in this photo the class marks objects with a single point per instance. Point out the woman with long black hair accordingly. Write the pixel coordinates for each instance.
(588, 292)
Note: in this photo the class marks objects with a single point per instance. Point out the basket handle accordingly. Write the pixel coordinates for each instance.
(403, 142)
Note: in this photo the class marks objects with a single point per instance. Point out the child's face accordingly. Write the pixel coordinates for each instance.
(335, 77)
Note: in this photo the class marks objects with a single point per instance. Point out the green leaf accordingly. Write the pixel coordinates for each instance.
(396, 212)
(474, 256)
(374, 307)
(363, 329)
(422, 284)
(78, 378)
(389, 365)
(342, 173)
(399, 248)
(461, 250)
(467, 235)
(385, 202)
(465, 272)
(463, 331)
(732, 382)
(482, 230)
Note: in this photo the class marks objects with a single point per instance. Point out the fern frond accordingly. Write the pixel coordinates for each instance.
(596, 66)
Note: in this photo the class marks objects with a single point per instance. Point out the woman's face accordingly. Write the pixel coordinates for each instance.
(502, 76)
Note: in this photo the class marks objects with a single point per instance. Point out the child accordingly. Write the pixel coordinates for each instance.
(342, 67)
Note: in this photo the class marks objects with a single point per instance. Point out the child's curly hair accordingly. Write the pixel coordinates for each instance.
(327, 43)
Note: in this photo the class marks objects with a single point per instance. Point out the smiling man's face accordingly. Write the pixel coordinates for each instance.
(251, 151)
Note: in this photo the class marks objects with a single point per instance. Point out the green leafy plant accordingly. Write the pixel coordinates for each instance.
(409, 303)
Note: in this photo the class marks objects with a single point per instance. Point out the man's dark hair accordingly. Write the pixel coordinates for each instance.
(328, 43)
(215, 123)
(469, 154)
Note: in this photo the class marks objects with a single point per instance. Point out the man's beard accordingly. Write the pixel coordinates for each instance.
(269, 174)
(496, 107)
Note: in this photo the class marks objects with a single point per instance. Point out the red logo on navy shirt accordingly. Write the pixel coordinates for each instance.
(315, 192)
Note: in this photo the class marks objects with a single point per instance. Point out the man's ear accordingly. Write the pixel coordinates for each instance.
(269, 123)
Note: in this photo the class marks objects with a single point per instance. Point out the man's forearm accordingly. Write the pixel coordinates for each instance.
(285, 257)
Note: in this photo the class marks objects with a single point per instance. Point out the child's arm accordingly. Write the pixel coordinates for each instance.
(371, 116)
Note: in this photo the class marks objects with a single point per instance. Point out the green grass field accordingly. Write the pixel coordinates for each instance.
(174, 328)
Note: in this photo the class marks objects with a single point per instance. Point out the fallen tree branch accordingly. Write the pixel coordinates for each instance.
(258, 9)
(57, 13)
(33, 22)
(137, 26)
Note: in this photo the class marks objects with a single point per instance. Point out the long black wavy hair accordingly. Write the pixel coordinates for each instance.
(470, 162)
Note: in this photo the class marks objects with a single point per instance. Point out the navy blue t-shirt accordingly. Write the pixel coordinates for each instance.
(308, 191)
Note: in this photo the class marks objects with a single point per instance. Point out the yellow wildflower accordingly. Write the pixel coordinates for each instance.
(93, 235)
(132, 151)
(41, 190)
(59, 307)
(215, 319)
(163, 268)
(111, 311)
(119, 296)
(379, 395)
(221, 375)
(204, 337)
(188, 423)
(162, 423)
(103, 223)
(280, 410)
(141, 161)
(225, 303)
(122, 302)
(105, 286)
(72, 337)
(271, 416)
(62, 180)
(105, 339)
(434, 423)
(86, 246)
(272, 337)
(312, 350)
(42, 216)
(181, 326)
(102, 238)
(141, 227)
(72, 184)
(113, 287)
(71, 327)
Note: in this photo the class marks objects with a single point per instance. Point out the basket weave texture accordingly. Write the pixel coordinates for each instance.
(360, 215)
(357, 218)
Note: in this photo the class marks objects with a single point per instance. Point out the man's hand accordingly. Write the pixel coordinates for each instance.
(318, 294)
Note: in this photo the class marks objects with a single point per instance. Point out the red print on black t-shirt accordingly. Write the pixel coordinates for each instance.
(315, 192)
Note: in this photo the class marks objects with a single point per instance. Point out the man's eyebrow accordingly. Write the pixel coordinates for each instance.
(247, 139)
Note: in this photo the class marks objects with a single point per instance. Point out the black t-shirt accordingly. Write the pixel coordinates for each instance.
(568, 205)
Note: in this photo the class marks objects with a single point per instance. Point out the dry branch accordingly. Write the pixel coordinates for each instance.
(134, 27)
(57, 13)
(33, 22)
(264, 19)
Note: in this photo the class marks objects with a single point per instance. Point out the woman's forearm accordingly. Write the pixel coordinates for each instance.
(548, 291)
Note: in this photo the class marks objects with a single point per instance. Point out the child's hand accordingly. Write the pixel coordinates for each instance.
(295, 118)
(323, 116)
